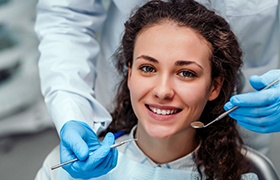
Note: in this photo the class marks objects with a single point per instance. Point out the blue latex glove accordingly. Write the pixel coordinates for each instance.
(78, 140)
(258, 111)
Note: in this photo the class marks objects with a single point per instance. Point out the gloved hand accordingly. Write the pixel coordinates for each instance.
(258, 111)
(78, 140)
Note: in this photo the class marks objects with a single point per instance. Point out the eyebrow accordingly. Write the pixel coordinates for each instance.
(148, 58)
(177, 63)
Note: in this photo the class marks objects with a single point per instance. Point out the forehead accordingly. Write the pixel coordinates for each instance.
(168, 39)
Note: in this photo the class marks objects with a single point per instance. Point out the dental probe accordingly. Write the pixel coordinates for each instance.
(76, 159)
(199, 124)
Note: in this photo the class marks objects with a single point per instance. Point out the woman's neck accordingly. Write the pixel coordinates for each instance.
(164, 150)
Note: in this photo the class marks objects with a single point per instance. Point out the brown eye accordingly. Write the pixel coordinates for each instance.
(147, 69)
(187, 74)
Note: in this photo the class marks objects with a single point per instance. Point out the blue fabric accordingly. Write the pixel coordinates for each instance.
(119, 134)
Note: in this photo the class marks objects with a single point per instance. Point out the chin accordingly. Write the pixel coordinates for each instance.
(159, 132)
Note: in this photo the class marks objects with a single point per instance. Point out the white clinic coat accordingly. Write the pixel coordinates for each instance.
(79, 37)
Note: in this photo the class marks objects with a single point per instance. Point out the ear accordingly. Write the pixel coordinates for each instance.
(216, 88)
(129, 75)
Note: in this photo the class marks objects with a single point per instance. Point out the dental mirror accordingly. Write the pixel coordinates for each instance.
(199, 124)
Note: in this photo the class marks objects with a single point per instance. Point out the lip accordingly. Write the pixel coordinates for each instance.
(163, 117)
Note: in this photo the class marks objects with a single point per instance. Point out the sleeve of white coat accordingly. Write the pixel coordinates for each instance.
(68, 51)
(257, 26)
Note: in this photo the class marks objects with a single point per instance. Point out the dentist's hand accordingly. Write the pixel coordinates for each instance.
(78, 140)
(258, 111)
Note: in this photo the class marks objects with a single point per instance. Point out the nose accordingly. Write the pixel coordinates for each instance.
(163, 88)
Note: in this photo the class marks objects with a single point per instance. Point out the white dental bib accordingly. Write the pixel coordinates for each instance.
(132, 170)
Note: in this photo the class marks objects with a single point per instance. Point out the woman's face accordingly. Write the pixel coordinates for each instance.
(170, 79)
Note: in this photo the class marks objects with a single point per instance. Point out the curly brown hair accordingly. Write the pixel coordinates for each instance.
(219, 156)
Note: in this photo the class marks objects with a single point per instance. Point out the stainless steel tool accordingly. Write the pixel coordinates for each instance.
(199, 124)
(76, 159)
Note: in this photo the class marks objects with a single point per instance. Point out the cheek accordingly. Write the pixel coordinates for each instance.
(137, 94)
(136, 87)
(195, 97)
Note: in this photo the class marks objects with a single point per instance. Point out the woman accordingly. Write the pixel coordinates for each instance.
(179, 63)
(219, 151)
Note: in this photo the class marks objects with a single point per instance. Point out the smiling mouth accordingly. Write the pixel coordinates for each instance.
(163, 111)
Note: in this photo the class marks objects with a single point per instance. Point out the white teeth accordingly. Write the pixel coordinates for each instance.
(162, 112)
